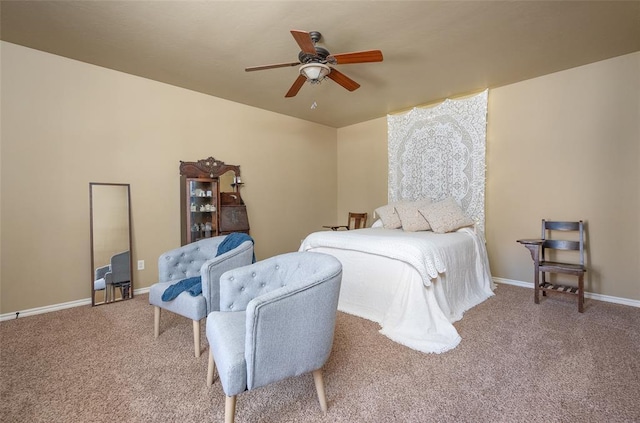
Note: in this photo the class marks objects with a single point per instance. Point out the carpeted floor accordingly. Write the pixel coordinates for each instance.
(517, 362)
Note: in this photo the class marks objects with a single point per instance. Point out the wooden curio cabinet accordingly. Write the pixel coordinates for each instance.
(211, 203)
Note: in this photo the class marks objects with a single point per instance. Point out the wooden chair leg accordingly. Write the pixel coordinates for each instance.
(210, 368)
(317, 378)
(196, 337)
(230, 409)
(581, 293)
(536, 285)
(156, 321)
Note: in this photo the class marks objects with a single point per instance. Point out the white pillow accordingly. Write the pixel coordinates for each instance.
(389, 217)
(411, 218)
(445, 216)
(377, 224)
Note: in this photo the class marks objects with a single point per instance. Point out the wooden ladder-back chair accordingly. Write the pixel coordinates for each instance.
(356, 221)
(546, 261)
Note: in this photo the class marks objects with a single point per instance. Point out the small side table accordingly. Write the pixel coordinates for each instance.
(533, 245)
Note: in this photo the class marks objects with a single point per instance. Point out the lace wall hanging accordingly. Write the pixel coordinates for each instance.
(437, 152)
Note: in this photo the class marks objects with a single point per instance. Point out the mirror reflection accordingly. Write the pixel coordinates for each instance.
(110, 243)
(227, 181)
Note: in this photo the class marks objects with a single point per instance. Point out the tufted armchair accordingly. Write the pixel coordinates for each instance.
(276, 320)
(195, 259)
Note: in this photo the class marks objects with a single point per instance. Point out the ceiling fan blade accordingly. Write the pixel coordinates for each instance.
(343, 80)
(355, 57)
(277, 65)
(304, 41)
(297, 84)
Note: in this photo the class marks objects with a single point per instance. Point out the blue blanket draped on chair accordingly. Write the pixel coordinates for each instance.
(193, 285)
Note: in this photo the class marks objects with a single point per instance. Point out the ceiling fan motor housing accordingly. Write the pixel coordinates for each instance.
(319, 57)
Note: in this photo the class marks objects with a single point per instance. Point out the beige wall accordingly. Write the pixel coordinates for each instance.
(567, 146)
(362, 168)
(67, 123)
(562, 146)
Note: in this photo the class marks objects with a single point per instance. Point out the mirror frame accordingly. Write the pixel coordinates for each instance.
(91, 219)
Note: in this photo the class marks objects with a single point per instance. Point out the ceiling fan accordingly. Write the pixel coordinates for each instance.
(315, 61)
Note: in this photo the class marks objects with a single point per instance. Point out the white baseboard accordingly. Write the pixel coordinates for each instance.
(87, 301)
(56, 307)
(599, 297)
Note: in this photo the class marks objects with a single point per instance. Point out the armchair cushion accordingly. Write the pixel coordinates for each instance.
(184, 304)
(99, 284)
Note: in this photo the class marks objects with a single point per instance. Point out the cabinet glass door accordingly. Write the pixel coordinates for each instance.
(203, 208)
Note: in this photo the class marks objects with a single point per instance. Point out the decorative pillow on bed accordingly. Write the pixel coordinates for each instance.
(389, 216)
(445, 216)
(410, 216)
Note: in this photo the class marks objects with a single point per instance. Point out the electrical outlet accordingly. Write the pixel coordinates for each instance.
(140, 264)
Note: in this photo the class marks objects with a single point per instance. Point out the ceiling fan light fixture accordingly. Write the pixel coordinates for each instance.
(314, 72)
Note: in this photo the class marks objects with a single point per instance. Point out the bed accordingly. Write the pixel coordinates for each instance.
(414, 284)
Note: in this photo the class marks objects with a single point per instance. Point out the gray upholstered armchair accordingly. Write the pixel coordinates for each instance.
(115, 274)
(196, 259)
(276, 320)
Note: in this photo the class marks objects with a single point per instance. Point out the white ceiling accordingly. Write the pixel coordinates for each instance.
(432, 49)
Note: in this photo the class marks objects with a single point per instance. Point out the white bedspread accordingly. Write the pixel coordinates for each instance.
(413, 248)
(414, 284)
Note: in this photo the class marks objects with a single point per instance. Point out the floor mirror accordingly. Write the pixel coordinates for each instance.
(111, 263)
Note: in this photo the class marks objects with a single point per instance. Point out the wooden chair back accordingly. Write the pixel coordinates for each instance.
(357, 220)
(549, 234)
